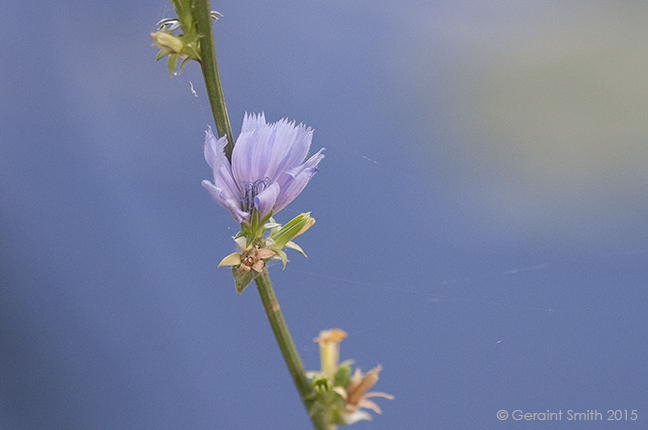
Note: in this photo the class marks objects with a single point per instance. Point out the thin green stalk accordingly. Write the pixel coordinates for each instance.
(209, 67)
(288, 350)
(210, 73)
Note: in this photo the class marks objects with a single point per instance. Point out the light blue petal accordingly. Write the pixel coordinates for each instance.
(289, 148)
(292, 183)
(215, 157)
(228, 203)
(293, 188)
(223, 179)
(264, 153)
(265, 200)
(290, 175)
(243, 157)
(213, 147)
(252, 153)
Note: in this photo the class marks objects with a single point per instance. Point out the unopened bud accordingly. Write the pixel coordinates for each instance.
(294, 228)
(168, 41)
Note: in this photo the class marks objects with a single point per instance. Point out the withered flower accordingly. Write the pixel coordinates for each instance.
(250, 257)
(355, 396)
(253, 258)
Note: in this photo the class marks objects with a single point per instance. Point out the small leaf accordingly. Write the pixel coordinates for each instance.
(243, 279)
(173, 60)
(185, 61)
(234, 259)
(163, 53)
(342, 376)
(241, 241)
(271, 224)
(284, 258)
(293, 245)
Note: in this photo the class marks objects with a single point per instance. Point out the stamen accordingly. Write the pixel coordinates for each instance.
(249, 190)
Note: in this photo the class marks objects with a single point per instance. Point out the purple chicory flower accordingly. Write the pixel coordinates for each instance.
(267, 170)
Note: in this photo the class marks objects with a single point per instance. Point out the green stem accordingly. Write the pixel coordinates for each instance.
(202, 12)
(289, 351)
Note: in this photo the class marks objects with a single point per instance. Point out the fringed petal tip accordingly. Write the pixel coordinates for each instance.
(214, 148)
(252, 121)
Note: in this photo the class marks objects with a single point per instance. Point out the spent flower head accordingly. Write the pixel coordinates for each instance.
(267, 170)
(355, 396)
(343, 397)
(250, 257)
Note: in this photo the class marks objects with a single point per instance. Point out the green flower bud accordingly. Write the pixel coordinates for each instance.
(167, 42)
(342, 376)
(294, 228)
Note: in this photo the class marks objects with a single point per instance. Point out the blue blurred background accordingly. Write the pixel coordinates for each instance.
(481, 213)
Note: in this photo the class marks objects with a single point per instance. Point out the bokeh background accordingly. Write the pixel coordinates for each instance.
(481, 213)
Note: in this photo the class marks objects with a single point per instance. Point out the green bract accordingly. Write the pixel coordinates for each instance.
(281, 237)
(298, 225)
(260, 242)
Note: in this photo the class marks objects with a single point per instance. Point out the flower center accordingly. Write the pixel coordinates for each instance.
(249, 190)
